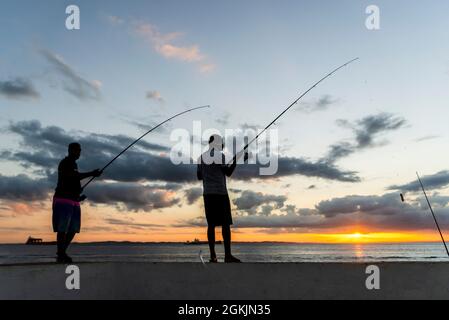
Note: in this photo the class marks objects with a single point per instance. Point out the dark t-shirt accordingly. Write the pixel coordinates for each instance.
(69, 184)
(212, 171)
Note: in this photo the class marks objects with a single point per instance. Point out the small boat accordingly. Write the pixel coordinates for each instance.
(38, 242)
(198, 242)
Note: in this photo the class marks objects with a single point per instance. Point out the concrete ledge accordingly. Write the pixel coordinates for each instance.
(191, 281)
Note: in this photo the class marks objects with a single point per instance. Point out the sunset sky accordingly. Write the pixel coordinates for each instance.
(347, 150)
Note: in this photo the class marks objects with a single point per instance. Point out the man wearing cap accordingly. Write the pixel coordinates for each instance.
(213, 170)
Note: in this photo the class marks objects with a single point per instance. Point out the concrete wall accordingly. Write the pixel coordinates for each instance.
(226, 281)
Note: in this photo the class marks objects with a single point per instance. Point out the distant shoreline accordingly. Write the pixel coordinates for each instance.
(240, 242)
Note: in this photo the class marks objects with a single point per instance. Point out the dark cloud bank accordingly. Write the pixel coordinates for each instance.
(41, 149)
(166, 185)
(376, 213)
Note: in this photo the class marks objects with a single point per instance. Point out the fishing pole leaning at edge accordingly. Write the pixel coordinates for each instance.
(140, 138)
(291, 105)
(433, 213)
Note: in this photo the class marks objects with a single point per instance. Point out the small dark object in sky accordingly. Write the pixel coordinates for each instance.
(402, 198)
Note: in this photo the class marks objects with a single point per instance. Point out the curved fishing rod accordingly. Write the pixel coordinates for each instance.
(292, 104)
(140, 138)
(433, 213)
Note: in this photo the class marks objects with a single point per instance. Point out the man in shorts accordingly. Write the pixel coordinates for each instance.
(213, 170)
(66, 201)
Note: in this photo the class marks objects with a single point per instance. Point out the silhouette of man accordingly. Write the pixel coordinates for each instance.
(66, 201)
(213, 170)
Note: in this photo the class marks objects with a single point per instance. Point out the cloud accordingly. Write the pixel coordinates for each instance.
(425, 138)
(369, 127)
(161, 43)
(133, 225)
(23, 188)
(152, 182)
(435, 181)
(323, 103)
(384, 212)
(164, 45)
(26, 208)
(377, 205)
(224, 119)
(366, 131)
(132, 196)
(250, 202)
(21, 191)
(289, 166)
(144, 178)
(73, 83)
(55, 139)
(188, 54)
(339, 150)
(252, 127)
(155, 95)
(369, 212)
(18, 88)
(147, 123)
(147, 126)
(193, 194)
(45, 146)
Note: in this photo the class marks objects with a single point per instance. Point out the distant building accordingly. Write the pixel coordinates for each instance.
(32, 240)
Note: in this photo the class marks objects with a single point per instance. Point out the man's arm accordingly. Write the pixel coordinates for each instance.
(229, 169)
(71, 172)
(199, 174)
(66, 170)
(94, 173)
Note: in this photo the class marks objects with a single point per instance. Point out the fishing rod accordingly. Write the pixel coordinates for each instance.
(140, 138)
(433, 214)
(291, 105)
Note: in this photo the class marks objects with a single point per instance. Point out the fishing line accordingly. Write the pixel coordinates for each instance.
(433, 213)
(140, 138)
(291, 105)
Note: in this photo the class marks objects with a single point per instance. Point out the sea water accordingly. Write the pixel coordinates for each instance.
(247, 252)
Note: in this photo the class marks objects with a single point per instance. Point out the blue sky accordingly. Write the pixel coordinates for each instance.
(248, 60)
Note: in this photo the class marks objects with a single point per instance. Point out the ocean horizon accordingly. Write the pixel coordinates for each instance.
(260, 252)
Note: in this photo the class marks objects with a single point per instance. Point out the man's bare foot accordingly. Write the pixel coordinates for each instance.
(63, 258)
(213, 257)
(232, 259)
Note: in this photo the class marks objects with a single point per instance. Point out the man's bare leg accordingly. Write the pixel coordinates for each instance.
(68, 239)
(63, 240)
(60, 241)
(211, 240)
(226, 231)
